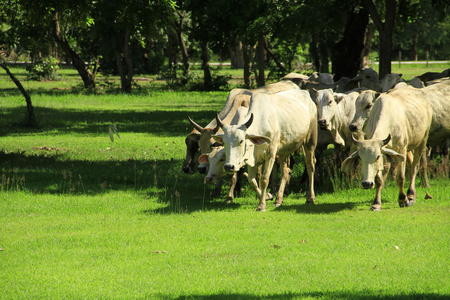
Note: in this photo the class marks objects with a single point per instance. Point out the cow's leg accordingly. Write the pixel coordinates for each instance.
(233, 181)
(285, 176)
(376, 206)
(418, 154)
(426, 183)
(265, 176)
(402, 200)
(217, 189)
(310, 162)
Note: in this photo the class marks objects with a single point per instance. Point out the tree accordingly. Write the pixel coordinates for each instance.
(385, 30)
(122, 26)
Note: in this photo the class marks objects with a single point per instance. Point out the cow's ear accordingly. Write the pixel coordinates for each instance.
(218, 138)
(194, 136)
(338, 97)
(258, 139)
(350, 162)
(392, 156)
(203, 159)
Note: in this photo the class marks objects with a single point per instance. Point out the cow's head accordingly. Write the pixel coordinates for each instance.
(363, 106)
(326, 101)
(203, 137)
(190, 163)
(238, 144)
(372, 154)
(216, 160)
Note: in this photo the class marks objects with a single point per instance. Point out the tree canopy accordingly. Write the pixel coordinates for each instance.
(125, 37)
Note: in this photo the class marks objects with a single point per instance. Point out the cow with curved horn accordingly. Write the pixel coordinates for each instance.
(277, 124)
(404, 115)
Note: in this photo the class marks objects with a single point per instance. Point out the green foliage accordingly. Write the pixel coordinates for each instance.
(45, 69)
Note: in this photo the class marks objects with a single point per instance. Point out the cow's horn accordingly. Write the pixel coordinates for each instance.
(357, 142)
(196, 126)
(249, 122)
(385, 141)
(219, 122)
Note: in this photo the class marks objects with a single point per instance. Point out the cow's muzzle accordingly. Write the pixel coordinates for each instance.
(353, 128)
(322, 123)
(229, 168)
(367, 184)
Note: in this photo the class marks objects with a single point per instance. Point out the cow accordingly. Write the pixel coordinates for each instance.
(429, 76)
(238, 98)
(367, 78)
(363, 105)
(277, 124)
(335, 112)
(216, 159)
(390, 81)
(321, 78)
(416, 82)
(399, 122)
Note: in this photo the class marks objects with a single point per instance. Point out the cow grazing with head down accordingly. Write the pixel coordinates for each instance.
(398, 122)
(277, 124)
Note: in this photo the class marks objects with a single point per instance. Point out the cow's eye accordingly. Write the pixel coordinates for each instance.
(241, 141)
(378, 157)
(329, 103)
(223, 159)
(369, 106)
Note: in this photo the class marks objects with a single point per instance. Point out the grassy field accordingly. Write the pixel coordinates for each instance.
(86, 218)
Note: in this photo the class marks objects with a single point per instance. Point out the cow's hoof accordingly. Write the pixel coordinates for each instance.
(410, 202)
(309, 201)
(375, 208)
(260, 209)
(229, 201)
(269, 196)
(277, 204)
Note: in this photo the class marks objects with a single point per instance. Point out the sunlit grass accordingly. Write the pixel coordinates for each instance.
(84, 217)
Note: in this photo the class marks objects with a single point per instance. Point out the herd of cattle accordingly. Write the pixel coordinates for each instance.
(372, 121)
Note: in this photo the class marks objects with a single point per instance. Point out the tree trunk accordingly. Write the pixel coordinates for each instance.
(247, 53)
(367, 47)
(261, 61)
(236, 54)
(182, 44)
(415, 46)
(385, 30)
(347, 52)
(126, 73)
(207, 78)
(87, 75)
(314, 50)
(30, 119)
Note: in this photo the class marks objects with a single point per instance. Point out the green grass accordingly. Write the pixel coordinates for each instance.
(84, 218)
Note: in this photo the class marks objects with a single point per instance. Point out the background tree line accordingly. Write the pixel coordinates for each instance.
(127, 37)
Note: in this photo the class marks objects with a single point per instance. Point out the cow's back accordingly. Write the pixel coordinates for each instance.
(404, 114)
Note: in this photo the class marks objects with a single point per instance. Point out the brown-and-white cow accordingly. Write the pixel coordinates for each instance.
(398, 122)
(277, 124)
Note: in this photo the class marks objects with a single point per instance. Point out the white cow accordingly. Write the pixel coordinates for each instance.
(398, 122)
(277, 124)
(335, 112)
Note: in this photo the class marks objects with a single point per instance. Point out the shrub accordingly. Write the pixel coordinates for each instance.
(44, 70)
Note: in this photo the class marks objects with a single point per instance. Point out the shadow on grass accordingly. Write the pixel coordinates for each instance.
(159, 123)
(318, 208)
(162, 180)
(369, 295)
